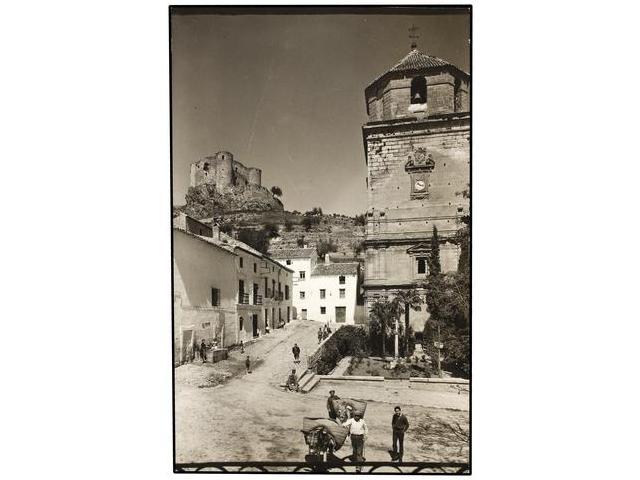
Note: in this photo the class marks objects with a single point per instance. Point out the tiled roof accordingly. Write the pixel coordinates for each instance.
(293, 253)
(416, 60)
(336, 269)
(229, 244)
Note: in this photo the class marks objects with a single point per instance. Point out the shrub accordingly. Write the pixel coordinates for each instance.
(358, 220)
(288, 225)
(348, 340)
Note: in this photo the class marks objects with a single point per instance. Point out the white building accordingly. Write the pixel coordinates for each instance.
(327, 291)
(224, 290)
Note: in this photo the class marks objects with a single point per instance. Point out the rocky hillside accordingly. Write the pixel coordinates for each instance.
(204, 201)
(292, 231)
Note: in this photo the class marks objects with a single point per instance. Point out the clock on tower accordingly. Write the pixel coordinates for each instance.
(419, 167)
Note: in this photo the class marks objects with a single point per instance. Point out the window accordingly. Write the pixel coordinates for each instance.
(288, 262)
(215, 297)
(255, 268)
(301, 295)
(342, 293)
(419, 90)
(341, 279)
(286, 292)
(241, 287)
(323, 293)
(241, 262)
(301, 275)
(422, 265)
(241, 323)
(206, 325)
(323, 310)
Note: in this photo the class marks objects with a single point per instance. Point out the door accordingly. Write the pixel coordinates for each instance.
(254, 318)
(341, 314)
(304, 314)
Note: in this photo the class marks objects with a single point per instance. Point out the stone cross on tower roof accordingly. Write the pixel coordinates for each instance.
(414, 36)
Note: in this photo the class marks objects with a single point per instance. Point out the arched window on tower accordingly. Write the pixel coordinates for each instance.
(419, 90)
(206, 167)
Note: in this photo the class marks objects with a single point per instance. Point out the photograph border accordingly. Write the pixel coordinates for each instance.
(369, 468)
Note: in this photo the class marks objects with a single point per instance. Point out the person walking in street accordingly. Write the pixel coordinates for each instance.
(330, 408)
(241, 346)
(247, 363)
(399, 425)
(319, 335)
(358, 431)
(296, 353)
(203, 351)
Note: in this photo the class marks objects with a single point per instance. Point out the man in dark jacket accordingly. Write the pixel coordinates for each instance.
(399, 425)
(203, 351)
(332, 412)
(296, 353)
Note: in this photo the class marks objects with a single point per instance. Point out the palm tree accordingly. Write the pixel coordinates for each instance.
(407, 300)
(380, 315)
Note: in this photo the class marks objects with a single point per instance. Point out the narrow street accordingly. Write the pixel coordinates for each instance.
(251, 418)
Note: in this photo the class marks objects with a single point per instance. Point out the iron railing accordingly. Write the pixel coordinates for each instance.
(388, 468)
(257, 299)
(243, 298)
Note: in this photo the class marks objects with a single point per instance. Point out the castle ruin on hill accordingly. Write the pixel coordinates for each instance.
(223, 171)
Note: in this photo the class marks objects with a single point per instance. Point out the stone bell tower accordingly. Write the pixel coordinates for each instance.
(418, 161)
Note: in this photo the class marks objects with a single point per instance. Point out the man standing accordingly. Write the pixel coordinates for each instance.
(399, 425)
(358, 432)
(319, 335)
(296, 353)
(330, 408)
(203, 351)
(247, 363)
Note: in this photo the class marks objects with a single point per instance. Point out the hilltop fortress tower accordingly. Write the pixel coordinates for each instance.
(223, 171)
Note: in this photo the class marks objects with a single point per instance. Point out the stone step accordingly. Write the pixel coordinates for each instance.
(306, 379)
(311, 384)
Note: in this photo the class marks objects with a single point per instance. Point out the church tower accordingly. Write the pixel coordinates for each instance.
(417, 149)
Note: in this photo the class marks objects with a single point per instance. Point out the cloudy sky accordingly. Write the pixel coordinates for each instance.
(285, 93)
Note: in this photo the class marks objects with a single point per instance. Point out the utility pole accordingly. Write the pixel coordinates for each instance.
(439, 345)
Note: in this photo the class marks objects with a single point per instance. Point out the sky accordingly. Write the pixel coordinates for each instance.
(285, 93)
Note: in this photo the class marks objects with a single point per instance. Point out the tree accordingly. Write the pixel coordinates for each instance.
(433, 260)
(324, 247)
(288, 225)
(257, 239)
(359, 220)
(407, 300)
(271, 230)
(379, 320)
(300, 241)
(357, 247)
(277, 191)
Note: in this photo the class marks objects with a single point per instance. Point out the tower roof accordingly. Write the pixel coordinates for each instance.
(414, 61)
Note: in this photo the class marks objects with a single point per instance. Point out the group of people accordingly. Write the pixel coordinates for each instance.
(323, 333)
(198, 351)
(358, 429)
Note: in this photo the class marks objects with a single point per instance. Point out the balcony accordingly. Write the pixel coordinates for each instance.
(279, 296)
(243, 298)
(257, 299)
